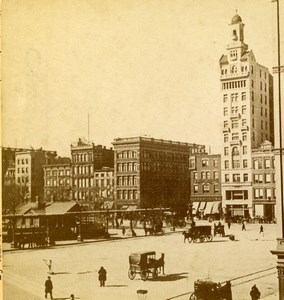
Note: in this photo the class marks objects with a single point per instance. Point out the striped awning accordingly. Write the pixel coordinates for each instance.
(202, 205)
(208, 208)
(215, 208)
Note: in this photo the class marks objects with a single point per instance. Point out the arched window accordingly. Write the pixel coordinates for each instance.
(235, 151)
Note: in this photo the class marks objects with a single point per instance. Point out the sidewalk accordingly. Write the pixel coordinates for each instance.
(115, 234)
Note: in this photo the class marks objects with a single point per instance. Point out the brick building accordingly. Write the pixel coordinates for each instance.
(85, 159)
(152, 172)
(205, 184)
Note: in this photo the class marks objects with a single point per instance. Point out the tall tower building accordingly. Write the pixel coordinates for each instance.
(247, 119)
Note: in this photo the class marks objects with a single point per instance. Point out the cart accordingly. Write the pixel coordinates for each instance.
(145, 263)
(209, 290)
(198, 234)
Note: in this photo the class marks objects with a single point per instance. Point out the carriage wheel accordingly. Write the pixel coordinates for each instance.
(192, 297)
(195, 240)
(202, 239)
(189, 239)
(144, 275)
(209, 237)
(131, 274)
(155, 273)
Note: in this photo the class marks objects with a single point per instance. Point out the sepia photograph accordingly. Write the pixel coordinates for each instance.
(141, 149)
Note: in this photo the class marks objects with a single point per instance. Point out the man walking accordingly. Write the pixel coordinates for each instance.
(102, 276)
(48, 287)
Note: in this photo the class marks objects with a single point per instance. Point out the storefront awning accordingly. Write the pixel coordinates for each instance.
(215, 207)
(208, 208)
(202, 205)
(195, 207)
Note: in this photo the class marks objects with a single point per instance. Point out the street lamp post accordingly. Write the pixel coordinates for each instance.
(280, 241)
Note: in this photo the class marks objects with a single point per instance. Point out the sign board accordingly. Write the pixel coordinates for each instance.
(276, 69)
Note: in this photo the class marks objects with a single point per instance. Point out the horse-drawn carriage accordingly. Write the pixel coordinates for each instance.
(31, 237)
(219, 229)
(198, 233)
(145, 263)
(209, 290)
(156, 228)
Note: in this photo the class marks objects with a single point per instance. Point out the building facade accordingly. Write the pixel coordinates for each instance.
(247, 119)
(58, 180)
(205, 184)
(86, 158)
(264, 189)
(104, 187)
(151, 172)
(29, 171)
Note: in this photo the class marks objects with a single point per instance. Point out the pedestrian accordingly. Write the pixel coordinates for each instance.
(255, 293)
(48, 287)
(72, 297)
(102, 276)
(244, 225)
(123, 230)
(261, 229)
(229, 224)
(49, 265)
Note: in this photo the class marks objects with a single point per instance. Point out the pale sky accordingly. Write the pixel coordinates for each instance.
(137, 67)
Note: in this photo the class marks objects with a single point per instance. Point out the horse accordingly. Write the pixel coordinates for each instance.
(187, 236)
(150, 230)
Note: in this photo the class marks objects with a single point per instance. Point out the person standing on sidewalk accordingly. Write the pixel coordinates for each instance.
(243, 225)
(48, 287)
(254, 293)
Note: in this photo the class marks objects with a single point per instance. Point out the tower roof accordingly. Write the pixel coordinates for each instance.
(236, 19)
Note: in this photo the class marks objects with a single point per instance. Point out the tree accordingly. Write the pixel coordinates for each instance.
(13, 195)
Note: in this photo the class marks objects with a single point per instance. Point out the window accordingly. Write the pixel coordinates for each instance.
(244, 136)
(235, 151)
(245, 163)
(261, 124)
(267, 163)
(251, 69)
(235, 136)
(226, 151)
(215, 174)
(225, 98)
(244, 109)
(205, 162)
(261, 85)
(203, 175)
(261, 98)
(244, 122)
(258, 178)
(234, 110)
(267, 178)
(226, 124)
(195, 175)
(195, 189)
(225, 112)
(235, 124)
(236, 178)
(258, 193)
(244, 96)
(226, 137)
(265, 101)
(268, 194)
(227, 177)
(207, 175)
(245, 177)
(216, 189)
(261, 111)
(54, 173)
(215, 163)
(206, 188)
(252, 96)
(252, 109)
(252, 83)
(245, 149)
(236, 164)
(226, 164)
